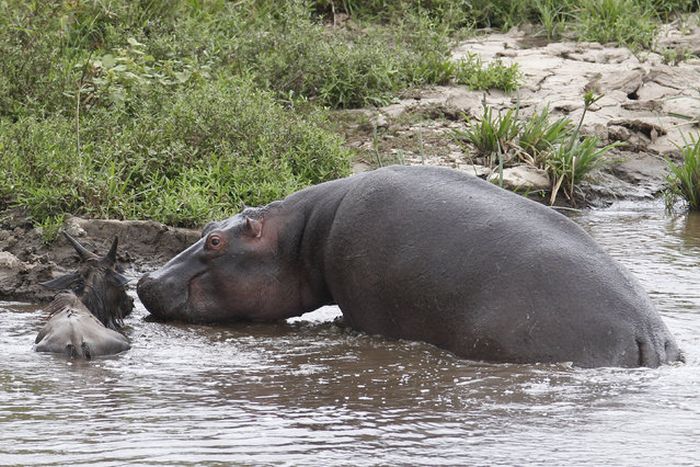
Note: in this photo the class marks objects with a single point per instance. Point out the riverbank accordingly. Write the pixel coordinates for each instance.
(646, 107)
(649, 108)
(26, 259)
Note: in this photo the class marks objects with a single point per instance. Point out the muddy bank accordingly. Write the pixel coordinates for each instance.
(26, 260)
(650, 106)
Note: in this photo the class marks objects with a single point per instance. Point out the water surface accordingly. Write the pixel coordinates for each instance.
(309, 392)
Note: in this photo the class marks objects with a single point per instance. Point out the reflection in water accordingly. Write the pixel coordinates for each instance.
(314, 393)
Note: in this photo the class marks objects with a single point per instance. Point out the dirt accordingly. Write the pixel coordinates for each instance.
(651, 104)
(26, 260)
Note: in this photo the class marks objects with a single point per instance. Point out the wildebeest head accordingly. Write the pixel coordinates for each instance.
(99, 283)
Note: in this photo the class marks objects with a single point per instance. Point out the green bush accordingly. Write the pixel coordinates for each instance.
(626, 22)
(182, 161)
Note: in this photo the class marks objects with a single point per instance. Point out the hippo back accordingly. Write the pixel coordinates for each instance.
(436, 255)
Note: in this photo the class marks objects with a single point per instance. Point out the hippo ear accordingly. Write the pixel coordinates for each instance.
(253, 227)
(83, 252)
(63, 282)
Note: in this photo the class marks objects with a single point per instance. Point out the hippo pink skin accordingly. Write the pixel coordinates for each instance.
(421, 253)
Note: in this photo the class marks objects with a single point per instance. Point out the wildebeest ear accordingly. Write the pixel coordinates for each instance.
(253, 227)
(118, 280)
(63, 282)
(83, 252)
(111, 257)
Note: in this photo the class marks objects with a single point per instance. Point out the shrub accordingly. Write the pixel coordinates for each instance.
(626, 22)
(491, 134)
(197, 157)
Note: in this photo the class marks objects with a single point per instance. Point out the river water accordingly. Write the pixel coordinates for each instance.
(309, 392)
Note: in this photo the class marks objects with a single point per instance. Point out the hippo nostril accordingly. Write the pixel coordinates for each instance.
(147, 292)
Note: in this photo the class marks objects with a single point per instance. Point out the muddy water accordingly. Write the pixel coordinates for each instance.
(309, 392)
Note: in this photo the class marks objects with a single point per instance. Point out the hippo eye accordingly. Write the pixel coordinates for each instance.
(214, 242)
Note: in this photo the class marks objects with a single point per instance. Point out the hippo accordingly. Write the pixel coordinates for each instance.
(84, 319)
(421, 253)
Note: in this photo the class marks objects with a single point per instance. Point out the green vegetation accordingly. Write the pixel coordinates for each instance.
(182, 110)
(551, 146)
(684, 178)
(493, 135)
(182, 159)
(627, 22)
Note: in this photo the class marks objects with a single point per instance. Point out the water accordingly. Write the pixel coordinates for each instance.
(309, 392)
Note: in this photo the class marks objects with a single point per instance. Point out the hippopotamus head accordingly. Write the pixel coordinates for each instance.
(238, 270)
(99, 283)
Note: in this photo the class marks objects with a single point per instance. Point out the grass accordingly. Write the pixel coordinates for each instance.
(627, 22)
(539, 135)
(492, 134)
(683, 181)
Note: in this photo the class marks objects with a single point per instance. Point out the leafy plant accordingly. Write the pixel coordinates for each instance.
(569, 164)
(539, 136)
(683, 180)
(551, 14)
(51, 226)
(495, 75)
(492, 134)
(573, 160)
(552, 146)
(626, 22)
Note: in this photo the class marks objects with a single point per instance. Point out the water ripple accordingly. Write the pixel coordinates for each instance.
(310, 392)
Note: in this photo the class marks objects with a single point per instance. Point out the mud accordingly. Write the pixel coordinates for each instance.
(26, 259)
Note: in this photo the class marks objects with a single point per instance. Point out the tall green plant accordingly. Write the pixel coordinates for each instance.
(683, 180)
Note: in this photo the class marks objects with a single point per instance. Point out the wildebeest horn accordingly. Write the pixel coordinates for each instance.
(112, 255)
(83, 252)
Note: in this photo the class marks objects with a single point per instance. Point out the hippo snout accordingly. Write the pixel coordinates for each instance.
(161, 301)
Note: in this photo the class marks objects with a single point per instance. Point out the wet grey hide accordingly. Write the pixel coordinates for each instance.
(86, 315)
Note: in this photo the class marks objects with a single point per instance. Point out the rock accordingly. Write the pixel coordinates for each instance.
(9, 261)
(671, 37)
(474, 169)
(522, 178)
(647, 127)
(359, 167)
(379, 121)
(645, 172)
(20, 280)
(72, 227)
(627, 81)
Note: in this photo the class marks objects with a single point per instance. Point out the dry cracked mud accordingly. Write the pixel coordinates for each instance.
(651, 107)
